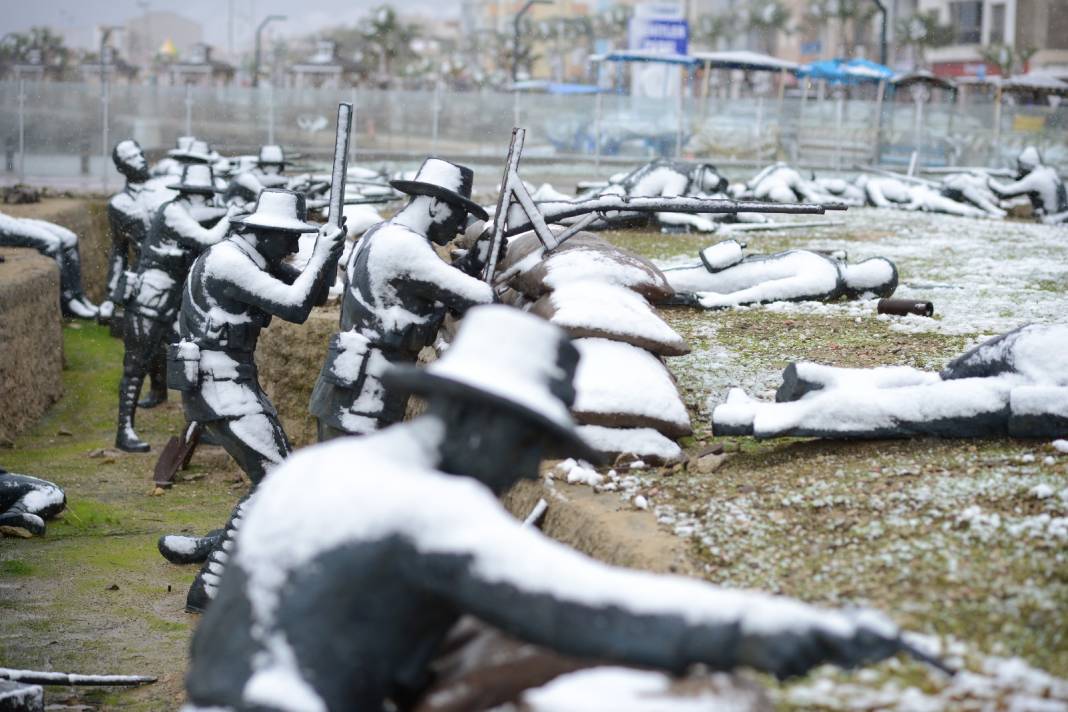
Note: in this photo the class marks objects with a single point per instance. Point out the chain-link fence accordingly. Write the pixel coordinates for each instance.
(55, 132)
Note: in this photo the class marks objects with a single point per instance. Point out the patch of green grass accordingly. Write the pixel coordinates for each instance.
(14, 567)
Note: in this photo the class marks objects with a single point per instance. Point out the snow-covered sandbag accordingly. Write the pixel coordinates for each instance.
(583, 258)
(621, 386)
(649, 445)
(585, 309)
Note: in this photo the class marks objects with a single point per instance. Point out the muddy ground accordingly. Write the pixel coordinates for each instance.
(950, 538)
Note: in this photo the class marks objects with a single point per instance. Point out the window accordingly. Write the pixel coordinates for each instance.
(997, 24)
(966, 20)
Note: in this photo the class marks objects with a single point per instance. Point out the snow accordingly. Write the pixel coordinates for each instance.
(441, 173)
(641, 502)
(643, 442)
(580, 265)
(185, 545)
(1061, 446)
(42, 497)
(621, 689)
(721, 255)
(578, 473)
(1040, 400)
(613, 311)
(614, 378)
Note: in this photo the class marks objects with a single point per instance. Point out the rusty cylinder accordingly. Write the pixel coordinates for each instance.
(902, 307)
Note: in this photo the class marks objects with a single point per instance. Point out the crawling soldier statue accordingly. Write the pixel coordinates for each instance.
(233, 291)
(356, 557)
(396, 296)
(25, 502)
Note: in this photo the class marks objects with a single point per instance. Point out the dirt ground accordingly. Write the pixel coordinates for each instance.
(908, 527)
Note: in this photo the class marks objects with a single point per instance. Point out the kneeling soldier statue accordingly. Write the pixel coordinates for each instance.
(356, 557)
(397, 292)
(233, 291)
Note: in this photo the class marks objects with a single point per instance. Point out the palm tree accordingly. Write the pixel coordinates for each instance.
(767, 18)
(920, 31)
(1007, 59)
(389, 38)
(852, 19)
(714, 30)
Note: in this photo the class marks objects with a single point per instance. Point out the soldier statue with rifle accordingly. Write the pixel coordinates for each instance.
(234, 290)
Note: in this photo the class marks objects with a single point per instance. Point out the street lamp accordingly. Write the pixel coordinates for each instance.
(515, 27)
(256, 61)
(105, 33)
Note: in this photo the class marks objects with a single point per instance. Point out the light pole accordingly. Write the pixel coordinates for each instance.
(515, 33)
(256, 61)
(105, 33)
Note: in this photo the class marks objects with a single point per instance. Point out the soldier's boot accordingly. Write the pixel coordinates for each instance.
(157, 380)
(206, 584)
(73, 299)
(180, 549)
(125, 436)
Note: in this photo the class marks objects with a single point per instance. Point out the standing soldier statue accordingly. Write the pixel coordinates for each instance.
(233, 291)
(397, 292)
(176, 237)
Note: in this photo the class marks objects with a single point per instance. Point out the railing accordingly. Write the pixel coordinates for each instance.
(55, 131)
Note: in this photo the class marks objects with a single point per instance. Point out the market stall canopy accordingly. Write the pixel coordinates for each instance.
(1037, 82)
(639, 55)
(543, 85)
(743, 59)
(922, 76)
(837, 71)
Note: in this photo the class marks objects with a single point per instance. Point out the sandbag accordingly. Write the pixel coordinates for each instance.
(583, 258)
(623, 386)
(594, 309)
(645, 443)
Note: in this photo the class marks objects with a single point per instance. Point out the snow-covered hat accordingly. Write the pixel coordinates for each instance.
(191, 150)
(530, 372)
(1029, 158)
(281, 210)
(271, 155)
(445, 181)
(196, 178)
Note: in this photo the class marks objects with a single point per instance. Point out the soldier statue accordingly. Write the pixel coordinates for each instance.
(1040, 183)
(233, 291)
(397, 292)
(177, 235)
(357, 557)
(25, 502)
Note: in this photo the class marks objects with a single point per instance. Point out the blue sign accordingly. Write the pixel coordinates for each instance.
(668, 36)
(814, 47)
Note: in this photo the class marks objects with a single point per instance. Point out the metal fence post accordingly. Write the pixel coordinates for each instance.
(188, 109)
(104, 98)
(270, 113)
(355, 125)
(22, 130)
(436, 111)
(515, 108)
(597, 109)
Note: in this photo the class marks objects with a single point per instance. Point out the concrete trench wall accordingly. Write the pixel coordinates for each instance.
(31, 339)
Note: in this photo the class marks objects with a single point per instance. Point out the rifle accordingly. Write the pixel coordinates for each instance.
(515, 201)
(898, 176)
(341, 163)
(37, 677)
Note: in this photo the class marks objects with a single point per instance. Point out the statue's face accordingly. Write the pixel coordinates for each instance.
(446, 222)
(271, 169)
(275, 246)
(133, 159)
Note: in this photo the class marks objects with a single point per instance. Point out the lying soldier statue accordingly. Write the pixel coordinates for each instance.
(25, 502)
(726, 278)
(356, 557)
(1013, 385)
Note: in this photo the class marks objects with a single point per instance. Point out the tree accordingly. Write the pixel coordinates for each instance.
(388, 38)
(40, 44)
(767, 18)
(921, 31)
(1008, 60)
(851, 20)
(714, 30)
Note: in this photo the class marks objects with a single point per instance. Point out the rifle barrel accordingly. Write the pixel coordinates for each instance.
(555, 211)
(39, 677)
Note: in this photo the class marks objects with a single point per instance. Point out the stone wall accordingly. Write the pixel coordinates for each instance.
(31, 339)
(85, 217)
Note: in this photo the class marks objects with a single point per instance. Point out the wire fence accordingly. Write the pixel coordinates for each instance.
(64, 131)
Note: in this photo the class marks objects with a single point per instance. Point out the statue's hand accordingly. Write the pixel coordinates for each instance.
(842, 639)
(331, 240)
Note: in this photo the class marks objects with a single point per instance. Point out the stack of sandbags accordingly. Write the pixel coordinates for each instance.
(627, 401)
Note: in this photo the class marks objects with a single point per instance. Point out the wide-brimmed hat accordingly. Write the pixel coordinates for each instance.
(191, 150)
(271, 155)
(280, 210)
(529, 373)
(196, 178)
(445, 181)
